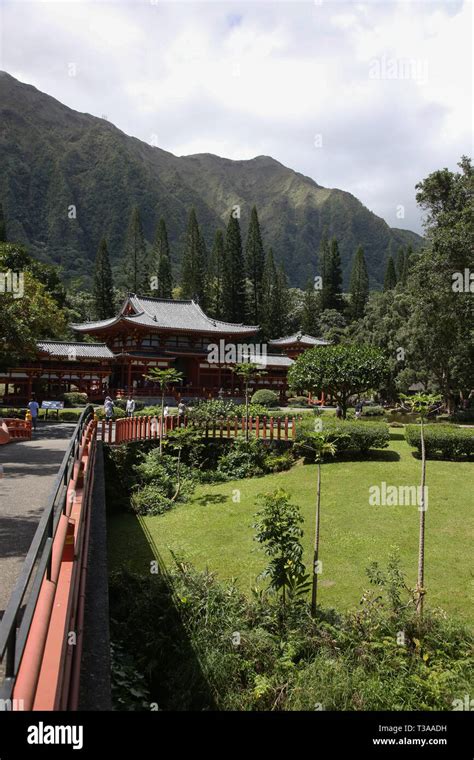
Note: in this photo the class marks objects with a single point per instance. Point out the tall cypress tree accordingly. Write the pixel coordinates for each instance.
(335, 276)
(359, 285)
(135, 263)
(162, 262)
(193, 273)
(3, 229)
(268, 281)
(280, 304)
(310, 311)
(215, 276)
(255, 261)
(103, 287)
(400, 263)
(326, 274)
(233, 286)
(390, 279)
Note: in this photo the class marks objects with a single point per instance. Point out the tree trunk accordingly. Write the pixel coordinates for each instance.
(421, 544)
(314, 594)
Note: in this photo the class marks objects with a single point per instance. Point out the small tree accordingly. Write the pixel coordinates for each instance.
(420, 403)
(342, 371)
(278, 528)
(164, 378)
(247, 371)
(318, 443)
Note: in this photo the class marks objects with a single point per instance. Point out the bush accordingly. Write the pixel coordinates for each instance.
(121, 403)
(265, 398)
(278, 462)
(73, 399)
(298, 401)
(12, 412)
(244, 459)
(213, 410)
(70, 415)
(100, 413)
(442, 441)
(348, 435)
(373, 411)
(150, 500)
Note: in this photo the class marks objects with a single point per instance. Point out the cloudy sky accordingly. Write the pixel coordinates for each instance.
(368, 97)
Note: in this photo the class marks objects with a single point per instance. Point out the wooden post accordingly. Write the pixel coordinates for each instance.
(257, 427)
(264, 428)
(235, 427)
(228, 427)
(279, 428)
(110, 431)
(286, 428)
(221, 426)
(271, 428)
(293, 428)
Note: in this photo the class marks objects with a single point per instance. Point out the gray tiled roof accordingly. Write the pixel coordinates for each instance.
(168, 314)
(79, 350)
(304, 340)
(271, 360)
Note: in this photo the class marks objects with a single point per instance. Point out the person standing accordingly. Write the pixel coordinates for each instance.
(358, 409)
(181, 413)
(130, 407)
(108, 408)
(33, 407)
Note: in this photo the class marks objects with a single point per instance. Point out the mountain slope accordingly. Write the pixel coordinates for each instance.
(52, 157)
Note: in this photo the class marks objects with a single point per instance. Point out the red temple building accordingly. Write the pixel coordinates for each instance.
(147, 333)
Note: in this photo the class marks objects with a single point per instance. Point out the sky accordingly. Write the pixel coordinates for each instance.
(369, 97)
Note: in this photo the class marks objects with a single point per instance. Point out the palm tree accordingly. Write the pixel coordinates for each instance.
(247, 371)
(164, 378)
(320, 446)
(421, 403)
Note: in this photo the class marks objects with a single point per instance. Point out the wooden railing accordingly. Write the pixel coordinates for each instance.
(18, 429)
(148, 428)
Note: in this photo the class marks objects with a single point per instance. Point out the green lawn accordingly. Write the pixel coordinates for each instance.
(214, 531)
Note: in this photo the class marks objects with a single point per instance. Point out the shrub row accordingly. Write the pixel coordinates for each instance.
(348, 435)
(443, 441)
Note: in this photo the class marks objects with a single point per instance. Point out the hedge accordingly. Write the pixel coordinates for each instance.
(442, 441)
(347, 435)
(73, 399)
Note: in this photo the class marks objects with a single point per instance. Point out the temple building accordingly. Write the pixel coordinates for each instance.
(146, 333)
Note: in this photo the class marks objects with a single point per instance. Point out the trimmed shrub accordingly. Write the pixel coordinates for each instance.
(442, 441)
(14, 413)
(70, 415)
(73, 399)
(265, 398)
(348, 435)
(100, 413)
(298, 401)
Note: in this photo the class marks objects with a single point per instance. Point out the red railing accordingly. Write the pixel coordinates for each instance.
(43, 651)
(18, 429)
(142, 428)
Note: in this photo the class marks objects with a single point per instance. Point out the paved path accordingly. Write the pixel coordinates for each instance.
(29, 472)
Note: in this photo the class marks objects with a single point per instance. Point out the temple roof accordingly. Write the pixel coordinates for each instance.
(298, 339)
(270, 360)
(168, 314)
(78, 350)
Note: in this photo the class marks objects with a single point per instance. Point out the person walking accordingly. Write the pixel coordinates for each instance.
(33, 407)
(130, 406)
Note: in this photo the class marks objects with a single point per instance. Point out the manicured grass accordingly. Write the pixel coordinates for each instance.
(216, 531)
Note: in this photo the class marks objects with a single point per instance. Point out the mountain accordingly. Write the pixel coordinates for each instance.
(52, 158)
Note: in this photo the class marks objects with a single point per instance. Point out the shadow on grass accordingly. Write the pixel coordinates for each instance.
(210, 498)
(147, 625)
(385, 455)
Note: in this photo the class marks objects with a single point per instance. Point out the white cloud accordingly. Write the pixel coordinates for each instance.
(247, 78)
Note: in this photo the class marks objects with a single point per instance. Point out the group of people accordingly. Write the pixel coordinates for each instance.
(130, 406)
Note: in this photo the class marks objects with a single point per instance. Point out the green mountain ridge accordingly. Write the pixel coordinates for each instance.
(53, 157)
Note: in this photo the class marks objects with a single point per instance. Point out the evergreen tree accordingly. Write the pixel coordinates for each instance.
(135, 263)
(335, 276)
(216, 267)
(390, 279)
(162, 262)
(406, 265)
(400, 263)
(194, 263)
(233, 286)
(280, 304)
(268, 281)
(103, 287)
(310, 311)
(3, 230)
(325, 272)
(255, 261)
(359, 285)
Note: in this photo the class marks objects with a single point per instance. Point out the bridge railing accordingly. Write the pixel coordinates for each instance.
(142, 428)
(41, 630)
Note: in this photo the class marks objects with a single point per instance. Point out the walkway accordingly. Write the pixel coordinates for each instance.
(29, 472)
